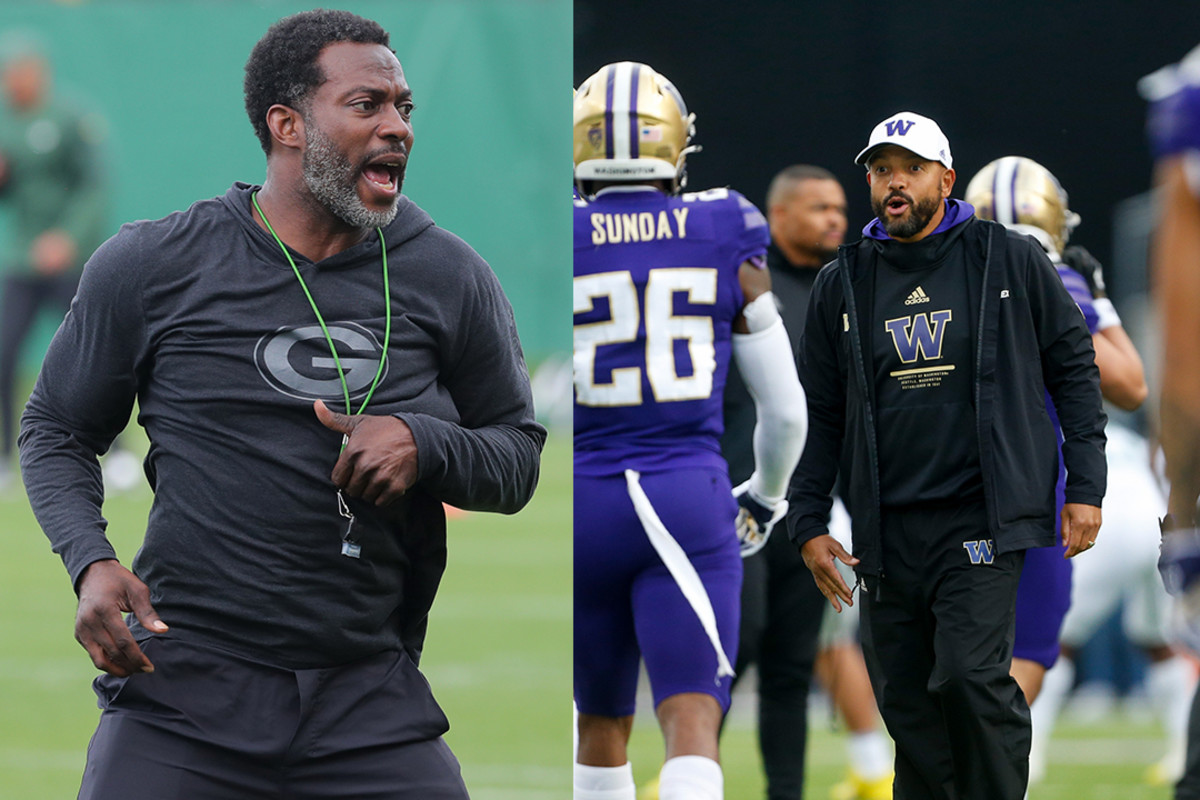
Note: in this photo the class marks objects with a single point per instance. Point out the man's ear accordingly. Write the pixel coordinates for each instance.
(286, 125)
(948, 182)
(775, 214)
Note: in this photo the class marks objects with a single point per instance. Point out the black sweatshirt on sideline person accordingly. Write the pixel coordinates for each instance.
(922, 342)
(1029, 337)
(199, 317)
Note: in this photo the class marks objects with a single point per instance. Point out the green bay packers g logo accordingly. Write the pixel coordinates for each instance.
(920, 335)
(295, 360)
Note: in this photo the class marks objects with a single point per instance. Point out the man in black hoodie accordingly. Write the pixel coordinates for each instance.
(926, 350)
(318, 367)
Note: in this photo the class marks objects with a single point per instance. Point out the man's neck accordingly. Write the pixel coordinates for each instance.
(302, 223)
(798, 257)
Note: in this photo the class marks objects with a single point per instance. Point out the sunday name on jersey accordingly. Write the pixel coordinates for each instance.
(643, 226)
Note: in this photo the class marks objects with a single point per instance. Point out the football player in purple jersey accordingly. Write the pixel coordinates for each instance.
(668, 287)
(1026, 197)
(1174, 130)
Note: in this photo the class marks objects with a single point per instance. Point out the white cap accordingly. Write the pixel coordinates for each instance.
(914, 133)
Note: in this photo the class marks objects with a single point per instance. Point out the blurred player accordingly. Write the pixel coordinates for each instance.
(843, 672)
(1123, 569)
(1027, 198)
(52, 177)
(781, 606)
(1174, 131)
(666, 287)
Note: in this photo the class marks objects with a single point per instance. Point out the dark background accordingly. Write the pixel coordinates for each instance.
(774, 83)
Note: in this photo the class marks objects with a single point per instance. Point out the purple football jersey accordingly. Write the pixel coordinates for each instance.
(1044, 593)
(655, 294)
(1078, 289)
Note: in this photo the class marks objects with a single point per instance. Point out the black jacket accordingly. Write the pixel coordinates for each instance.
(1031, 337)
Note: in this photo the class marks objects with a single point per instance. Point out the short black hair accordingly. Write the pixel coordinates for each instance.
(283, 69)
(789, 178)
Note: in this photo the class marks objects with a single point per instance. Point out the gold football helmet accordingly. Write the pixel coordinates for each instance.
(1024, 196)
(631, 124)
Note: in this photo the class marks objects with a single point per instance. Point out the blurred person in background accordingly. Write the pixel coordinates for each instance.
(842, 671)
(1026, 198)
(53, 184)
(781, 605)
(1173, 127)
(1123, 571)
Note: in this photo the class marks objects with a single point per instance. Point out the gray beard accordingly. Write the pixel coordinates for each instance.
(332, 179)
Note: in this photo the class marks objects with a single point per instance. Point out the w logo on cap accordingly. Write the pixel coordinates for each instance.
(912, 132)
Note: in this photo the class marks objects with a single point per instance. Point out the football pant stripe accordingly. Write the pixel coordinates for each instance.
(679, 566)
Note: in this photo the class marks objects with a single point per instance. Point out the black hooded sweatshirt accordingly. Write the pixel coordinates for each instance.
(200, 319)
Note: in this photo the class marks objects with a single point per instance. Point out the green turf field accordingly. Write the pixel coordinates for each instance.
(498, 656)
(498, 651)
(1099, 761)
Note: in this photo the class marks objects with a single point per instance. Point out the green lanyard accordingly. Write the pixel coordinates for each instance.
(387, 297)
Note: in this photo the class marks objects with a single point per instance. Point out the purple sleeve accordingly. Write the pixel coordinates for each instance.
(754, 236)
(1078, 289)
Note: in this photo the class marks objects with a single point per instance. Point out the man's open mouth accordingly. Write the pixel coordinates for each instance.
(386, 173)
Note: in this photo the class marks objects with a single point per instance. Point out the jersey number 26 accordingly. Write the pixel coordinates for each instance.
(662, 328)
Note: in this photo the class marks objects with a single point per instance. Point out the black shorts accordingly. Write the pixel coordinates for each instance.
(210, 725)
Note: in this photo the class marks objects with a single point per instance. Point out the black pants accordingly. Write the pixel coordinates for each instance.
(781, 617)
(24, 296)
(937, 634)
(208, 725)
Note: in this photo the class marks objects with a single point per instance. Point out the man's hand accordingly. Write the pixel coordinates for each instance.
(820, 556)
(379, 463)
(106, 590)
(1080, 526)
(756, 519)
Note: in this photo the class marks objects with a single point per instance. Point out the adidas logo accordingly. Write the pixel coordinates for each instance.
(918, 296)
